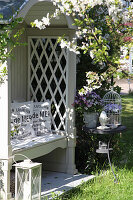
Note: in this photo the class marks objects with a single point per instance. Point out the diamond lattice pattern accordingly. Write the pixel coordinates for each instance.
(48, 77)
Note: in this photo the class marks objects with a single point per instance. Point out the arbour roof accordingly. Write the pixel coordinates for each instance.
(8, 8)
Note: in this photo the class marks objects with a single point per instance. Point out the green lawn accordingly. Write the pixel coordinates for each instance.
(103, 186)
(127, 137)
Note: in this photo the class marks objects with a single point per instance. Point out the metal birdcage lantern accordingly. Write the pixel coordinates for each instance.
(28, 180)
(112, 107)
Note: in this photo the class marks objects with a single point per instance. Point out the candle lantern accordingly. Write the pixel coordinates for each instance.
(112, 107)
(28, 180)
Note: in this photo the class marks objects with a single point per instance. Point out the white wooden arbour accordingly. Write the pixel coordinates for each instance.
(16, 88)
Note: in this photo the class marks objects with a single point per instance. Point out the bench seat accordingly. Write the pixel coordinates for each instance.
(37, 146)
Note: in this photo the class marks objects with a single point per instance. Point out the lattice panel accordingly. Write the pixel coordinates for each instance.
(48, 77)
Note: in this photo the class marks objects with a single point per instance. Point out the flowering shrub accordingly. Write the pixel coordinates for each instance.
(86, 101)
(103, 25)
(94, 80)
(6, 40)
(113, 108)
(8, 43)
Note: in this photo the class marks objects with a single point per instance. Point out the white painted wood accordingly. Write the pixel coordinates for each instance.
(55, 32)
(29, 5)
(46, 5)
(28, 143)
(54, 22)
(39, 10)
(71, 130)
(5, 179)
(5, 147)
(70, 22)
(19, 72)
(38, 146)
(58, 68)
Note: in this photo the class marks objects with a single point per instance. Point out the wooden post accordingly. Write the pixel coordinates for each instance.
(71, 130)
(5, 147)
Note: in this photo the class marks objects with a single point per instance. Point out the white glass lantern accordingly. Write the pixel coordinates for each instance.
(28, 180)
(112, 107)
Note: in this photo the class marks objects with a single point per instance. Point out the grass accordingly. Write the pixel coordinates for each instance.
(103, 186)
(126, 141)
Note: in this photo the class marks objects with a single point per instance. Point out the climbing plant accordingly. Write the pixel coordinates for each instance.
(8, 41)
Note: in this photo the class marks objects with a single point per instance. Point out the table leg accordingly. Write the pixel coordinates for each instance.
(116, 181)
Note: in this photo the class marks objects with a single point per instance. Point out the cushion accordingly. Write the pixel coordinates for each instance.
(21, 119)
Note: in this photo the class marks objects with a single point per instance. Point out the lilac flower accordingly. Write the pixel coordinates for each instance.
(87, 101)
(112, 107)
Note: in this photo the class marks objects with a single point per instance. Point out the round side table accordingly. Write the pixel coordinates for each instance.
(104, 146)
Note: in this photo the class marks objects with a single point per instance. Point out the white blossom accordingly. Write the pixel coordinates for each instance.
(78, 33)
(78, 8)
(56, 13)
(39, 24)
(84, 30)
(63, 44)
(91, 54)
(46, 20)
(43, 23)
(81, 93)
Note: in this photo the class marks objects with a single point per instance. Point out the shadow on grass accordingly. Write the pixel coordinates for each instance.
(103, 187)
(72, 193)
(78, 191)
(123, 144)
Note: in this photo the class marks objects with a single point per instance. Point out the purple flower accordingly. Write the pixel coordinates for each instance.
(112, 107)
(87, 101)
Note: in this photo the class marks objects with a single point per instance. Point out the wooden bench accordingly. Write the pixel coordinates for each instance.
(33, 146)
(37, 146)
